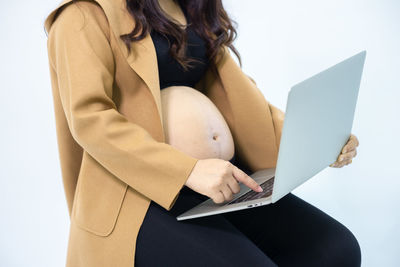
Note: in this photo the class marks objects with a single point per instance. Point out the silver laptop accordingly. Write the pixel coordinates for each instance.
(318, 121)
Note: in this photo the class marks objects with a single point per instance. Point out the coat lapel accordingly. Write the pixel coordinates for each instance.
(142, 59)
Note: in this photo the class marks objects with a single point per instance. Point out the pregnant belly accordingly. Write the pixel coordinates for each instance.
(194, 125)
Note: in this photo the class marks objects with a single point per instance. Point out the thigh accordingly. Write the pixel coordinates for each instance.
(207, 241)
(292, 232)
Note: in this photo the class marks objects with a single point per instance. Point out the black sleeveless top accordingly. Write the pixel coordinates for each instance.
(170, 71)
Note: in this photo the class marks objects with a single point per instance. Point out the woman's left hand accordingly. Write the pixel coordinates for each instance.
(348, 153)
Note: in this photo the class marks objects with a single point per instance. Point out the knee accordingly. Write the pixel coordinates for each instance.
(351, 249)
(345, 249)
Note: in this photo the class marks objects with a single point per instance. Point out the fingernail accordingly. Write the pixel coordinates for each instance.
(259, 189)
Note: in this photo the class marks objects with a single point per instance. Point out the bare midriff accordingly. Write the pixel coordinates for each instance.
(194, 125)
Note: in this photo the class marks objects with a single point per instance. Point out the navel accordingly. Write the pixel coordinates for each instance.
(215, 136)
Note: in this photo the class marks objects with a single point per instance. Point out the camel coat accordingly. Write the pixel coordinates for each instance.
(112, 150)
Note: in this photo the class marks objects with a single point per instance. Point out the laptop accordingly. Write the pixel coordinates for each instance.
(318, 121)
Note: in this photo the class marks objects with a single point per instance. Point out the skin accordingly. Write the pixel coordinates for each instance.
(348, 152)
(194, 125)
(173, 12)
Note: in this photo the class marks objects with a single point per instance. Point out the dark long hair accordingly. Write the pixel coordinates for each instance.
(208, 19)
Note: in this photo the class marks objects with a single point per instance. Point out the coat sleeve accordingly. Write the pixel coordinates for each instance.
(79, 50)
(278, 117)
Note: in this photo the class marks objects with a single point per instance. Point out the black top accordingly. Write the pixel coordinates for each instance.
(170, 71)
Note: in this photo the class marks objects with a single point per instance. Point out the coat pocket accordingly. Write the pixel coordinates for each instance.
(99, 197)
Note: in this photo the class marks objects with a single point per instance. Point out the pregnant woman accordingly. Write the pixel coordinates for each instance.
(153, 117)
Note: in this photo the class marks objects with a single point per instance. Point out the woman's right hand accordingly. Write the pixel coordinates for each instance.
(218, 179)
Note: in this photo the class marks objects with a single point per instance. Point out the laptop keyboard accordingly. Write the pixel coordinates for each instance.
(251, 195)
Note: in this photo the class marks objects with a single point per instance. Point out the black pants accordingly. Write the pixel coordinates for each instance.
(290, 232)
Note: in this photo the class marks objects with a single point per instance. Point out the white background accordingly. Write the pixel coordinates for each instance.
(281, 43)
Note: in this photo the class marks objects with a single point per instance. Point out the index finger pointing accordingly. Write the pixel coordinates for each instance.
(241, 176)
